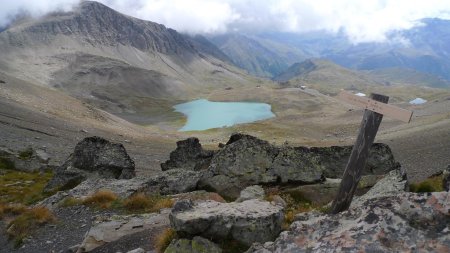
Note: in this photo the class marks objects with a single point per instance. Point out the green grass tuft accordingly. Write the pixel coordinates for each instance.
(163, 240)
(146, 203)
(26, 154)
(432, 184)
(27, 222)
(6, 164)
(23, 187)
(295, 203)
(70, 201)
(102, 199)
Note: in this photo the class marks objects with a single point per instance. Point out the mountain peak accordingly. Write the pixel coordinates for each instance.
(96, 24)
(305, 67)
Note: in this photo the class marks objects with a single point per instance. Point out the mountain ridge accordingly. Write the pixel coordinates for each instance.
(325, 76)
(82, 51)
(424, 48)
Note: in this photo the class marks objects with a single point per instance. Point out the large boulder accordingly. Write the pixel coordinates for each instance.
(247, 222)
(93, 157)
(246, 160)
(407, 222)
(188, 155)
(116, 228)
(240, 164)
(196, 245)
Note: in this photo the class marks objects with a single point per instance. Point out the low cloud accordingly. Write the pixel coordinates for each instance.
(11, 8)
(360, 21)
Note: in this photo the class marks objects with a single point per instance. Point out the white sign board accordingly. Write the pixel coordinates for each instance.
(381, 108)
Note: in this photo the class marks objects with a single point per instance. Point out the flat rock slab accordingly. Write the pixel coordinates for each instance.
(407, 222)
(247, 222)
(111, 229)
(168, 182)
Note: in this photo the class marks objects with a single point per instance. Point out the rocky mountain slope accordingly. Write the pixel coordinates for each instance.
(258, 56)
(81, 51)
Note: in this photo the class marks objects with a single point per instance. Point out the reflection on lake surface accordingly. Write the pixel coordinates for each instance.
(203, 114)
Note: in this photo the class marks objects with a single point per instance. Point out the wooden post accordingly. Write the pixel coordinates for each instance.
(352, 174)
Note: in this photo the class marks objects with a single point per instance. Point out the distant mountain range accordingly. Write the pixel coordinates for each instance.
(424, 51)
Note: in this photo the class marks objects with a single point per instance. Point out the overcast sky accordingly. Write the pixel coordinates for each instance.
(360, 20)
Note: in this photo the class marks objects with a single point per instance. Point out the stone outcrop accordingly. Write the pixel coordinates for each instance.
(110, 229)
(247, 222)
(196, 245)
(393, 183)
(123, 188)
(168, 182)
(93, 157)
(246, 160)
(188, 155)
(402, 223)
(28, 160)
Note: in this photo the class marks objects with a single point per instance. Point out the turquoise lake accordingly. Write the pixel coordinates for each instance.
(203, 114)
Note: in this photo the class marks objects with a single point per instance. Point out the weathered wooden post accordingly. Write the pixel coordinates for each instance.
(375, 108)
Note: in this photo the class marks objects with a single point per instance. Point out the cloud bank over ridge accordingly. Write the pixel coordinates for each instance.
(360, 21)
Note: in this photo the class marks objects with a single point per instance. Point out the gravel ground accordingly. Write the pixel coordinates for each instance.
(69, 230)
(21, 128)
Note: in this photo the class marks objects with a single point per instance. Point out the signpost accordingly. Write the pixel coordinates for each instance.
(376, 106)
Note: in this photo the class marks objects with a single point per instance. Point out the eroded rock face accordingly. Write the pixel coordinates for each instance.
(402, 223)
(188, 155)
(247, 222)
(196, 245)
(93, 157)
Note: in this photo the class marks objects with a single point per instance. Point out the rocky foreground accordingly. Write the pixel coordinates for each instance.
(266, 187)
